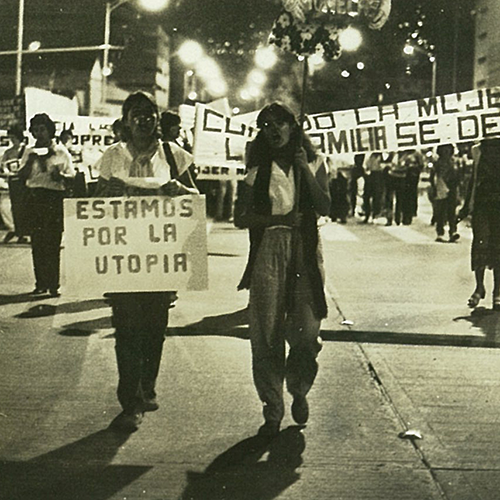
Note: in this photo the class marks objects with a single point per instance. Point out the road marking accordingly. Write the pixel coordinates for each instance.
(335, 232)
(408, 235)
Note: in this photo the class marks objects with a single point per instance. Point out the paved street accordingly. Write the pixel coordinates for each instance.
(402, 352)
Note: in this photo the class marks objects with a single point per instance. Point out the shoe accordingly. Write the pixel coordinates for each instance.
(39, 291)
(476, 297)
(150, 404)
(496, 302)
(53, 292)
(300, 409)
(9, 236)
(127, 421)
(454, 237)
(22, 239)
(440, 239)
(269, 429)
(388, 223)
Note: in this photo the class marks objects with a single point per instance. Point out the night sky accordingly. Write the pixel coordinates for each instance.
(230, 30)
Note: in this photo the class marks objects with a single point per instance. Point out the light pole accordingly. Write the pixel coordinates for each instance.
(111, 5)
(409, 50)
(19, 54)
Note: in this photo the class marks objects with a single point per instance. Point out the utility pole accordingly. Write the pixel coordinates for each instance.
(19, 53)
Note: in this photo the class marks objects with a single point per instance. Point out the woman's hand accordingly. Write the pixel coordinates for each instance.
(115, 187)
(172, 188)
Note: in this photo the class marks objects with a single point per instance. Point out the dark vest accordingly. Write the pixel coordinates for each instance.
(308, 231)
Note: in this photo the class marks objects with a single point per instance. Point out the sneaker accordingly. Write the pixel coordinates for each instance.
(9, 236)
(300, 409)
(270, 428)
(454, 237)
(39, 291)
(127, 421)
(150, 404)
(440, 239)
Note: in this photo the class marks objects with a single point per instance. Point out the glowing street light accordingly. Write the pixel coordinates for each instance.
(350, 39)
(265, 57)
(190, 52)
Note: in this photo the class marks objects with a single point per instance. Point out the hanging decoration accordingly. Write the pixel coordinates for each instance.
(307, 27)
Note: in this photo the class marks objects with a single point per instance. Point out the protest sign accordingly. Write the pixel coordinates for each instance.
(422, 123)
(137, 243)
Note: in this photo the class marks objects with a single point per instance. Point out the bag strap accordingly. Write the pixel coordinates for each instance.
(174, 170)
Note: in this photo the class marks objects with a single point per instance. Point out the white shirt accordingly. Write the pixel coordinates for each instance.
(282, 185)
(60, 161)
(117, 160)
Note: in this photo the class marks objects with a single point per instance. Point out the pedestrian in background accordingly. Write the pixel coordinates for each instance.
(483, 203)
(140, 166)
(46, 168)
(414, 164)
(395, 183)
(373, 190)
(444, 179)
(284, 270)
(9, 167)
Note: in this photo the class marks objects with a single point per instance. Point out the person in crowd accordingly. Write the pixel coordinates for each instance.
(46, 168)
(483, 203)
(374, 186)
(140, 166)
(414, 164)
(357, 172)
(287, 188)
(444, 179)
(9, 166)
(117, 129)
(395, 181)
(339, 170)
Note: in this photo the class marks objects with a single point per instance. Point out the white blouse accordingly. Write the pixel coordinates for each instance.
(282, 185)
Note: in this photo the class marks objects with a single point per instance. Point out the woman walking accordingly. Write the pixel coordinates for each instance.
(46, 168)
(287, 188)
(483, 203)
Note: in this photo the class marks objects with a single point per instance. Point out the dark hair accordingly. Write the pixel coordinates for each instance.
(135, 99)
(117, 126)
(445, 148)
(16, 131)
(65, 134)
(43, 119)
(167, 120)
(132, 100)
(259, 152)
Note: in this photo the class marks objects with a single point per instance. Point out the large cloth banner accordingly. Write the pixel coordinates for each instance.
(136, 243)
(422, 123)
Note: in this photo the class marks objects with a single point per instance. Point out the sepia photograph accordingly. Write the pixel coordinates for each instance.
(249, 249)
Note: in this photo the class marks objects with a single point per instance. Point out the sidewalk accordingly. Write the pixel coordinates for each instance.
(57, 397)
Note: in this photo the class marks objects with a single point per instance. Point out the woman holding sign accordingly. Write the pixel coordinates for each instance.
(139, 165)
(286, 190)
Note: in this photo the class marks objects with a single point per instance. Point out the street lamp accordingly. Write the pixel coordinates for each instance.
(410, 49)
(150, 5)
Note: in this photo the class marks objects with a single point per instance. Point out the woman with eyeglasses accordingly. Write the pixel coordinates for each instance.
(285, 190)
(139, 165)
(45, 168)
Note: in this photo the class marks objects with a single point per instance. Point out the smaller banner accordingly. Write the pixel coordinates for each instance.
(135, 244)
(220, 140)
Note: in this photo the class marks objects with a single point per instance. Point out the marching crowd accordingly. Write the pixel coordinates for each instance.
(287, 188)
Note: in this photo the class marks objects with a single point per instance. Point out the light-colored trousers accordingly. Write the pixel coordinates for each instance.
(271, 325)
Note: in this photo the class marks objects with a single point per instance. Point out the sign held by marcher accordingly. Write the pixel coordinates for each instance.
(135, 244)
